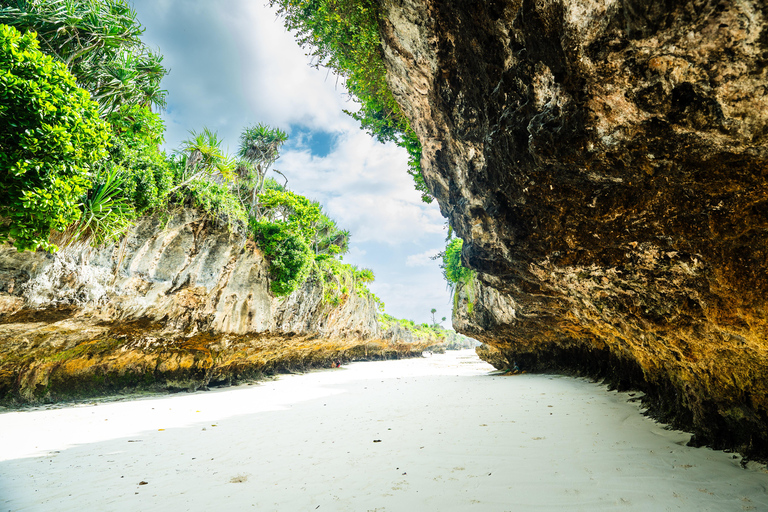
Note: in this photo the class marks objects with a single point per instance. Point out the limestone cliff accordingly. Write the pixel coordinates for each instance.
(180, 303)
(606, 163)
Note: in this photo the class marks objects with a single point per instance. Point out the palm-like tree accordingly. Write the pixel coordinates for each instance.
(328, 238)
(202, 156)
(260, 147)
(99, 42)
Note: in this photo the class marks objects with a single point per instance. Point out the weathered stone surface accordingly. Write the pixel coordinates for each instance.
(180, 303)
(606, 163)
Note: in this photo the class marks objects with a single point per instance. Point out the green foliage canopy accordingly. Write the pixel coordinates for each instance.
(453, 271)
(134, 146)
(99, 42)
(288, 252)
(343, 35)
(50, 138)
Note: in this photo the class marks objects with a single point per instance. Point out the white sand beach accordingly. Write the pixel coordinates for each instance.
(432, 434)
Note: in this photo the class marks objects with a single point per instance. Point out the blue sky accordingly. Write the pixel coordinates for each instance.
(232, 64)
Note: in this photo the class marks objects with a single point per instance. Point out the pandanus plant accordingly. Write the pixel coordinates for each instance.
(105, 212)
(99, 42)
(202, 157)
(259, 148)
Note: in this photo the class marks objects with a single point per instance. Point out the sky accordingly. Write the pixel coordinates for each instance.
(232, 65)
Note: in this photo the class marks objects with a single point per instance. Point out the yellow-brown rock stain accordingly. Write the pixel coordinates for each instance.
(101, 358)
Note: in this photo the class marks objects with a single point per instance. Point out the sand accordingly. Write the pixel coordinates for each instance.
(433, 434)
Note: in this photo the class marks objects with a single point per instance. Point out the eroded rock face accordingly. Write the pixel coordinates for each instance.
(187, 273)
(606, 163)
(180, 303)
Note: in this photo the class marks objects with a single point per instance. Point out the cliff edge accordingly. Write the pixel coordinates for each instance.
(606, 163)
(180, 303)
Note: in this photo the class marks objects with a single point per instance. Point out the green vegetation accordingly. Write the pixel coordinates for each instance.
(136, 136)
(259, 149)
(339, 280)
(300, 240)
(437, 334)
(453, 271)
(107, 213)
(50, 139)
(216, 200)
(98, 41)
(80, 70)
(78, 170)
(284, 231)
(203, 158)
(343, 35)
(288, 252)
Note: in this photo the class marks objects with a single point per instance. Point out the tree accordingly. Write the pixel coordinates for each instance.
(327, 238)
(433, 316)
(259, 148)
(202, 157)
(50, 138)
(99, 42)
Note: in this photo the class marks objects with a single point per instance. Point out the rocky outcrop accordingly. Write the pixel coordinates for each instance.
(180, 303)
(606, 163)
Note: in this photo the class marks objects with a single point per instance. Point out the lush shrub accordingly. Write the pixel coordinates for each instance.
(453, 271)
(290, 257)
(50, 138)
(434, 333)
(298, 239)
(136, 137)
(340, 280)
(284, 232)
(327, 239)
(216, 200)
(106, 212)
(201, 158)
(291, 208)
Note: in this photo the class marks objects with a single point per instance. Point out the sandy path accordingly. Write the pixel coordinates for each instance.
(435, 434)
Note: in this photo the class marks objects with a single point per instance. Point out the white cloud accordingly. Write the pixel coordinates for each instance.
(232, 64)
(423, 259)
(364, 186)
(277, 80)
